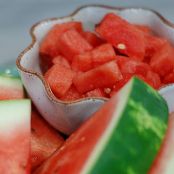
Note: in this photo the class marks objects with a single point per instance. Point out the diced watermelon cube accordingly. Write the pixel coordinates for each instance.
(96, 93)
(130, 66)
(98, 56)
(60, 79)
(120, 83)
(82, 62)
(71, 95)
(103, 76)
(44, 140)
(126, 38)
(92, 38)
(144, 28)
(169, 78)
(153, 45)
(48, 47)
(163, 60)
(102, 54)
(71, 43)
(153, 79)
(61, 61)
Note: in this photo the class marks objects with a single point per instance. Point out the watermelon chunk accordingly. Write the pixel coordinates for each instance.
(144, 28)
(82, 62)
(96, 93)
(15, 136)
(126, 38)
(44, 140)
(48, 47)
(130, 66)
(169, 78)
(163, 60)
(119, 138)
(153, 45)
(103, 54)
(98, 56)
(71, 43)
(10, 88)
(153, 79)
(92, 38)
(61, 61)
(59, 79)
(164, 162)
(71, 94)
(103, 76)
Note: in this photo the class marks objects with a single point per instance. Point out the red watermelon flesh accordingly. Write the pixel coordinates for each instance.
(102, 76)
(103, 54)
(162, 61)
(125, 37)
(169, 78)
(71, 43)
(48, 48)
(96, 93)
(44, 140)
(71, 94)
(10, 88)
(153, 45)
(15, 136)
(164, 162)
(61, 61)
(92, 38)
(60, 79)
(82, 62)
(143, 28)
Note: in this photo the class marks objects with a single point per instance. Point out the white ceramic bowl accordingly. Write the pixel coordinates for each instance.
(67, 116)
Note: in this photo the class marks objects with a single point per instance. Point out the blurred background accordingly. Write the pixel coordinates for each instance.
(17, 16)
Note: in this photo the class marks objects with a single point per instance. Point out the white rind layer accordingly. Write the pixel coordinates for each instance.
(14, 114)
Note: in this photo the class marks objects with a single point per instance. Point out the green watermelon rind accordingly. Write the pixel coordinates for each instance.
(130, 143)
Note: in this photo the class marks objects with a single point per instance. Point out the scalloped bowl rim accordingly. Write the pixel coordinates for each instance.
(50, 95)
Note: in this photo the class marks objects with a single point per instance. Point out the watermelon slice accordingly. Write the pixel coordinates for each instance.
(44, 140)
(15, 136)
(10, 88)
(164, 162)
(124, 136)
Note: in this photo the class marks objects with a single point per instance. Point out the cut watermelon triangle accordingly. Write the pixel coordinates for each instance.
(164, 162)
(15, 136)
(44, 140)
(124, 136)
(11, 88)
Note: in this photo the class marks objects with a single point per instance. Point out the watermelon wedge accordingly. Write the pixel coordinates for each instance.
(164, 162)
(122, 137)
(44, 140)
(15, 136)
(11, 88)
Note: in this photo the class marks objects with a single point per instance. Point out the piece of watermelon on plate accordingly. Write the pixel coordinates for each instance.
(123, 136)
(15, 136)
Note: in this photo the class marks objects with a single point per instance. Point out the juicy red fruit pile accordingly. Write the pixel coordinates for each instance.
(80, 63)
